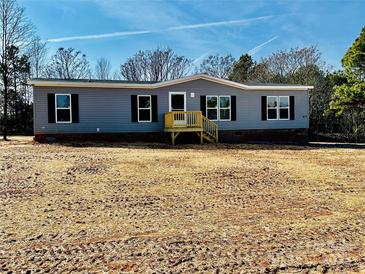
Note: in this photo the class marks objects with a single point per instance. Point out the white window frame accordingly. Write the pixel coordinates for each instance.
(150, 109)
(288, 108)
(69, 108)
(277, 108)
(218, 108)
(176, 93)
(267, 108)
(230, 108)
(207, 108)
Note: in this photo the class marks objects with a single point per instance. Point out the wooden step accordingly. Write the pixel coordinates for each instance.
(209, 134)
(209, 138)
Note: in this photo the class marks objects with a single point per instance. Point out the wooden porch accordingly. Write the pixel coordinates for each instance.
(177, 122)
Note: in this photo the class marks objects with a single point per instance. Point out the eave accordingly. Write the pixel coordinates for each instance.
(110, 85)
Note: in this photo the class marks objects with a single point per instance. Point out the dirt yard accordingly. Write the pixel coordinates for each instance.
(237, 208)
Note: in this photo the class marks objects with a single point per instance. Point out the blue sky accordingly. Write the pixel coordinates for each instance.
(116, 29)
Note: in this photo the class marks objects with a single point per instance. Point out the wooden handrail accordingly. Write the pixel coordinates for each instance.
(178, 119)
(191, 119)
(211, 128)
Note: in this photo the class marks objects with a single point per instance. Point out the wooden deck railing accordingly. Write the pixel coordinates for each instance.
(186, 119)
(178, 121)
(210, 128)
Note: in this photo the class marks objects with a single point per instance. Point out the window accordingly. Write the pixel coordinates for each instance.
(212, 107)
(63, 108)
(284, 107)
(219, 108)
(277, 107)
(144, 108)
(272, 108)
(224, 108)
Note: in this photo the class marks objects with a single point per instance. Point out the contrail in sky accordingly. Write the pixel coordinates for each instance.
(175, 28)
(99, 36)
(256, 49)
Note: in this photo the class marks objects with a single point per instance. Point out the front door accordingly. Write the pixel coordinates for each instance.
(177, 102)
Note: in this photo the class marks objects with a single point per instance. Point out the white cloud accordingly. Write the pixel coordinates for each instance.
(256, 49)
(175, 28)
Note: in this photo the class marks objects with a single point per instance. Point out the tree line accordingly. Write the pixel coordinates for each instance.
(337, 102)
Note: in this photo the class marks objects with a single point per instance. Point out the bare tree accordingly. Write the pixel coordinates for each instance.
(217, 66)
(103, 69)
(68, 64)
(284, 65)
(16, 31)
(301, 66)
(155, 65)
(116, 75)
(37, 52)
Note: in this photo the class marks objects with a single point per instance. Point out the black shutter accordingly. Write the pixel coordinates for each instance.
(233, 108)
(154, 108)
(51, 108)
(134, 108)
(292, 108)
(75, 108)
(263, 108)
(203, 105)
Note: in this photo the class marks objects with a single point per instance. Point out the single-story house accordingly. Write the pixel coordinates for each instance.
(213, 108)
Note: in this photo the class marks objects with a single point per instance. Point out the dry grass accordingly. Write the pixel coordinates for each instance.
(237, 208)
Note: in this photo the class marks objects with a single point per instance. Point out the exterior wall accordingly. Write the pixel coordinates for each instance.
(110, 109)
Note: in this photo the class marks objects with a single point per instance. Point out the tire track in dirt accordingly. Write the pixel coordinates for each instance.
(95, 209)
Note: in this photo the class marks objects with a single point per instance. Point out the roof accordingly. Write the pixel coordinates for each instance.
(154, 85)
(254, 84)
(92, 81)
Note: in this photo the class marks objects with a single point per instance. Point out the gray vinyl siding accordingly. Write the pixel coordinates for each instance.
(110, 109)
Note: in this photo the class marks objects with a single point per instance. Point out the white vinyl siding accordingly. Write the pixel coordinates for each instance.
(110, 109)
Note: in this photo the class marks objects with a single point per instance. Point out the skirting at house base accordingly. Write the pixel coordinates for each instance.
(108, 137)
(298, 136)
